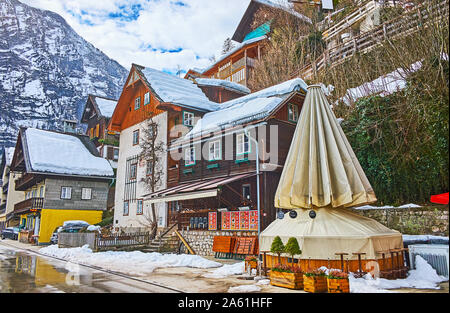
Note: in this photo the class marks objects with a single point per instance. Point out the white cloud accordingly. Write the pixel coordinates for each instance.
(193, 30)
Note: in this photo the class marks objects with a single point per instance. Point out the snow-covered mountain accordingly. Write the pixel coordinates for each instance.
(47, 70)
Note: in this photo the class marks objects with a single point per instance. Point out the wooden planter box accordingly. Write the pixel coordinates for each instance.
(338, 285)
(286, 280)
(315, 284)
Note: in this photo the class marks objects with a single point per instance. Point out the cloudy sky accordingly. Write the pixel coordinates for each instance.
(163, 34)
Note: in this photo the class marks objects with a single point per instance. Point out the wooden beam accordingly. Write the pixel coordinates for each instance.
(184, 242)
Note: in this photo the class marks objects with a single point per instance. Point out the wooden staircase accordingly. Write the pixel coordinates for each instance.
(166, 241)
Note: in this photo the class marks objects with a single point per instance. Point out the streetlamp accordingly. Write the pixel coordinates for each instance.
(257, 190)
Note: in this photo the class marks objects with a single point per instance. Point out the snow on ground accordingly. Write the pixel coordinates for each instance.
(423, 238)
(227, 270)
(423, 277)
(244, 288)
(132, 263)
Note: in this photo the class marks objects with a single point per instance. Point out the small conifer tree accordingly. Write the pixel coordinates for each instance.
(277, 247)
(292, 248)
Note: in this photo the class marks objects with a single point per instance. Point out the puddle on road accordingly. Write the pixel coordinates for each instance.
(24, 273)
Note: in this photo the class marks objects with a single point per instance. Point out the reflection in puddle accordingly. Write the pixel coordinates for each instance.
(21, 272)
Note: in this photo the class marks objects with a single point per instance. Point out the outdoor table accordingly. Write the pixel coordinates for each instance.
(360, 273)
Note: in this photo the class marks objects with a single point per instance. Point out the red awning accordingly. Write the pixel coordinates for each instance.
(441, 199)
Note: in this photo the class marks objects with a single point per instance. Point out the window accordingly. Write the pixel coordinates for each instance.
(66, 192)
(149, 168)
(147, 98)
(189, 156)
(137, 103)
(125, 208)
(292, 113)
(140, 207)
(86, 193)
(136, 137)
(188, 119)
(133, 171)
(214, 150)
(242, 144)
(41, 192)
(246, 192)
(116, 154)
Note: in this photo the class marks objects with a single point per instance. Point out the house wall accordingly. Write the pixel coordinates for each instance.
(13, 195)
(127, 150)
(53, 199)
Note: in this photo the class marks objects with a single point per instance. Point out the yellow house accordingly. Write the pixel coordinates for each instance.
(63, 178)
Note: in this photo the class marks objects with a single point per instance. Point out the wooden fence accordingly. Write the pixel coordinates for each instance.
(400, 26)
(99, 243)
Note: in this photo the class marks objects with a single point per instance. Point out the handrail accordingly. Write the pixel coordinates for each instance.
(184, 242)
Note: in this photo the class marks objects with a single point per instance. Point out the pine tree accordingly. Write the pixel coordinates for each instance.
(228, 45)
(292, 248)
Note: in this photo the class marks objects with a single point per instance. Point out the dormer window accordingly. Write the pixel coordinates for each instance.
(188, 119)
(137, 103)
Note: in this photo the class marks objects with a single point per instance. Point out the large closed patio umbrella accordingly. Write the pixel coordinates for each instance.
(322, 173)
(321, 169)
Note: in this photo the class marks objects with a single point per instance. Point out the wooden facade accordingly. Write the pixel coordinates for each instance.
(231, 196)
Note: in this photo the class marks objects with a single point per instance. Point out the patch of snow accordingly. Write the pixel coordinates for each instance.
(63, 154)
(106, 106)
(423, 238)
(9, 153)
(222, 83)
(75, 222)
(244, 288)
(263, 282)
(227, 270)
(132, 263)
(178, 91)
(404, 206)
(93, 228)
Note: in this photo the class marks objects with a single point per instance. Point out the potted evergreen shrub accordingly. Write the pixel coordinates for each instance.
(337, 282)
(315, 281)
(284, 275)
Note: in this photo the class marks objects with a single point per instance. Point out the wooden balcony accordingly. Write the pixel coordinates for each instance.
(31, 204)
(26, 181)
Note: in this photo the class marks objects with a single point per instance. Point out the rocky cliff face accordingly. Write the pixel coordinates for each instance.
(47, 70)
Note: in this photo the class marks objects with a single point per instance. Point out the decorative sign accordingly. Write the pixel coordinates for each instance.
(226, 220)
(212, 221)
(234, 220)
(240, 220)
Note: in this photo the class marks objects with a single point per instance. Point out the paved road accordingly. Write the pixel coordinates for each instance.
(24, 271)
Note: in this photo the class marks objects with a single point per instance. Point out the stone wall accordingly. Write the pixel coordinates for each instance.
(201, 241)
(431, 220)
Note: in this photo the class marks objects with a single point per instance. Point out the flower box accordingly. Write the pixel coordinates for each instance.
(286, 280)
(338, 285)
(315, 284)
(251, 263)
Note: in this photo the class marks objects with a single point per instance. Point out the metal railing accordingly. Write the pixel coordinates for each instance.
(121, 241)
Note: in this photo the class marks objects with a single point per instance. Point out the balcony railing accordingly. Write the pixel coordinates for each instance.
(30, 204)
(2, 208)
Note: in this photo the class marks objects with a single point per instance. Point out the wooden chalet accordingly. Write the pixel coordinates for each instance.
(62, 178)
(215, 187)
(174, 104)
(96, 114)
(237, 64)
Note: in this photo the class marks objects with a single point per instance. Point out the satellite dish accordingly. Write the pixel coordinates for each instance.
(293, 214)
(312, 214)
(280, 215)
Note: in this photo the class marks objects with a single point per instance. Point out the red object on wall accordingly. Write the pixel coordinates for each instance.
(441, 199)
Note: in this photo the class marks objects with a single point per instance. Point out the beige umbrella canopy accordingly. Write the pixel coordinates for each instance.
(321, 169)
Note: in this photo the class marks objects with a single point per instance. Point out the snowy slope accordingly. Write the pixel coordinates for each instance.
(47, 70)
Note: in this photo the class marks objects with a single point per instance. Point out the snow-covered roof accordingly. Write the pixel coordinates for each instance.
(222, 83)
(285, 6)
(247, 108)
(106, 106)
(9, 153)
(57, 153)
(176, 90)
(237, 48)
